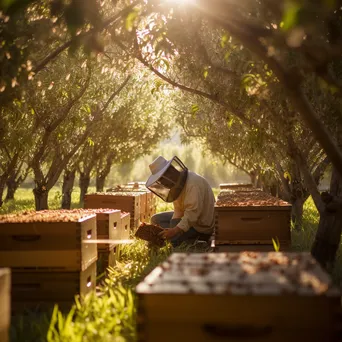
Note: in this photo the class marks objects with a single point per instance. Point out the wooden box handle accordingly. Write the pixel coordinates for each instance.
(26, 238)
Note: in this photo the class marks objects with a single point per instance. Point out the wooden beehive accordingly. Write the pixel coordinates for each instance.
(49, 239)
(124, 201)
(5, 303)
(32, 288)
(252, 218)
(237, 297)
(125, 223)
(108, 225)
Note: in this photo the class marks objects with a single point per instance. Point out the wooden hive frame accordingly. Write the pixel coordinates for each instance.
(5, 306)
(53, 246)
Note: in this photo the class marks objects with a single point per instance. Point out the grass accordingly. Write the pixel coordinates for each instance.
(109, 314)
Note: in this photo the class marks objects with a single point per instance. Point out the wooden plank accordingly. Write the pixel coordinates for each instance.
(5, 306)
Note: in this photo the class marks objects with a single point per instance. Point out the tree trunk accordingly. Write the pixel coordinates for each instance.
(100, 180)
(2, 188)
(68, 185)
(84, 184)
(297, 212)
(12, 187)
(41, 195)
(328, 234)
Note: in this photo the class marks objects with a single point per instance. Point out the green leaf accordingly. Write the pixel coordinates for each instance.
(90, 142)
(290, 17)
(230, 122)
(205, 73)
(130, 19)
(276, 244)
(287, 176)
(224, 40)
(194, 108)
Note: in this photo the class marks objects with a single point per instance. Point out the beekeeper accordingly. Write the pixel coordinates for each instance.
(192, 197)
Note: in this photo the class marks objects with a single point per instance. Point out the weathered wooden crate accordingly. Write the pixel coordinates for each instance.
(124, 201)
(40, 286)
(49, 239)
(237, 297)
(125, 225)
(252, 218)
(5, 303)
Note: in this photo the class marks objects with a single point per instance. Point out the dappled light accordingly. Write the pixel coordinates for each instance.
(97, 97)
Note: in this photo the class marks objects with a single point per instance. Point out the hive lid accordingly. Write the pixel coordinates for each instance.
(50, 216)
(250, 199)
(245, 273)
(116, 193)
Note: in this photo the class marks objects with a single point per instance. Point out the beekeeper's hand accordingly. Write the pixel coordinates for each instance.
(170, 233)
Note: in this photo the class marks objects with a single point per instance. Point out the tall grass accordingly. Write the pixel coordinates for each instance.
(109, 313)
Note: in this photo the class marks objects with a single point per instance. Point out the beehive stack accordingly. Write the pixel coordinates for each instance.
(148, 200)
(108, 226)
(50, 263)
(245, 296)
(249, 219)
(128, 201)
(5, 300)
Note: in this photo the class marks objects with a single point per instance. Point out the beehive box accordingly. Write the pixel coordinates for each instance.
(124, 201)
(5, 303)
(49, 239)
(34, 288)
(252, 218)
(135, 187)
(237, 297)
(108, 225)
(125, 224)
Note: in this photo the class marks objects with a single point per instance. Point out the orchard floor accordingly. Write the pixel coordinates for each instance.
(109, 314)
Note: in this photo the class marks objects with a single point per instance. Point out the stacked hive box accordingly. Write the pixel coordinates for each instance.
(245, 296)
(50, 263)
(148, 200)
(124, 201)
(108, 226)
(5, 303)
(249, 219)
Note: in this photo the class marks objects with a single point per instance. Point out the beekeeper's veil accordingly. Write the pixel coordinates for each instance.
(168, 178)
